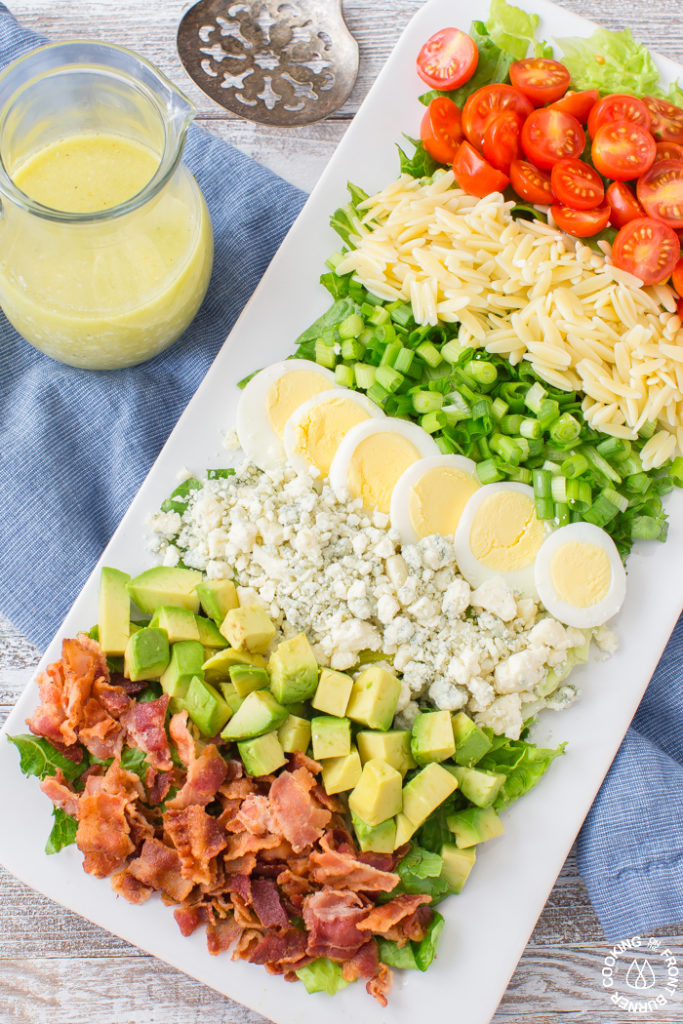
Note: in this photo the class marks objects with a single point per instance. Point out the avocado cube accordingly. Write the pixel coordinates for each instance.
(262, 755)
(426, 790)
(331, 737)
(248, 628)
(377, 795)
(113, 611)
(392, 746)
(210, 635)
(379, 839)
(404, 830)
(457, 865)
(206, 707)
(246, 678)
(217, 598)
(342, 773)
(259, 713)
(374, 698)
(480, 788)
(218, 666)
(474, 825)
(147, 654)
(333, 692)
(179, 623)
(165, 585)
(301, 708)
(186, 661)
(293, 670)
(471, 742)
(294, 734)
(231, 696)
(432, 737)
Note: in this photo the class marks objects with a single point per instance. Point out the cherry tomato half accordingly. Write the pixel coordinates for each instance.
(660, 192)
(578, 104)
(550, 135)
(581, 223)
(648, 249)
(476, 175)
(623, 204)
(677, 277)
(501, 140)
(541, 80)
(679, 308)
(448, 59)
(485, 103)
(623, 150)
(440, 131)
(618, 107)
(576, 184)
(667, 119)
(530, 184)
(669, 151)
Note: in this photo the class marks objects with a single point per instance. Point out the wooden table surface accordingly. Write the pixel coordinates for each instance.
(55, 967)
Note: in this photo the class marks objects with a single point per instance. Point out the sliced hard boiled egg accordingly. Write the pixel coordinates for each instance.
(580, 577)
(431, 496)
(315, 430)
(267, 402)
(373, 456)
(499, 535)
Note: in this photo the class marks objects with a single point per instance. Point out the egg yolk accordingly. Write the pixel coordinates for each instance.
(438, 498)
(376, 465)
(289, 392)
(581, 574)
(505, 534)
(319, 432)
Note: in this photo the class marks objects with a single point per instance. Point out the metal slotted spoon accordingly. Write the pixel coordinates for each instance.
(277, 62)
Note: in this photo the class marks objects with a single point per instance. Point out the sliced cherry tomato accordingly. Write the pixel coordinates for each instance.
(485, 103)
(648, 249)
(448, 59)
(501, 140)
(679, 308)
(618, 107)
(623, 150)
(581, 223)
(476, 175)
(576, 184)
(667, 119)
(530, 184)
(550, 135)
(541, 80)
(441, 131)
(623, 204)
(578, 104)
(660, 192)
(669, 151)
(677, 277)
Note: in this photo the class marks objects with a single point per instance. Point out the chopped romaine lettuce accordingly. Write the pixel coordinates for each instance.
(425, 951)
(611, 62)
(63, 831)
(322, 975)
(420, 871)
(513, 30)
(40, 758)
(393, 955)
(522, 763)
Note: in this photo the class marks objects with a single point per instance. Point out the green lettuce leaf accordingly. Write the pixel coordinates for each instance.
(133, 760)
(322, 975)
(522, 763)
(425, 951)
(395, 956)
(513, 30)
(420, 164)
(610, 62)
(338, 311)
(420, 871)
(493, 66)
(63, 831)
(40, 758)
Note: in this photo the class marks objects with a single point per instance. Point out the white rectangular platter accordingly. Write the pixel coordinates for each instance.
(489, 924)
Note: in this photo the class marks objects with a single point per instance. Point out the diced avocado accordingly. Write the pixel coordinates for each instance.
(206, 707)
(380, 838)
(113, 611)
(217, 598)
(333, 692)
(374, 698)
(377, 795)
(457, 865)
(179, 623)
(426, 790)
(301, 708)
(248, 629)
(474, 825)
(471, 743)
(231, 696)
(331, 737)
(481, 788)
(209, 634)
(262, 755)
(432, 737)
(217, 667)
(293, 670)
(165, 584)
(246, 678)
(259, 713)
(342, 773)
(404, 830)
(392, 746)
(294, 734)
(186, 661)
(147, 654)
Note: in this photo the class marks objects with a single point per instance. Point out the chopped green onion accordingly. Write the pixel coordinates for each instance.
(389, 378)
(402, 314)
(602, 465)
(558, 489)
(427, 401)
(579, 494)
(575, 465)
(451, 351)
(498, 410)
(562, 515)
(534, 397)
(618, 500)
(676, 471)
(511, 424)
(429, 353)
(352, 349)
(614, 448)
(566, 430)
(481, 372)
(378, 394)
(351, 327)
(379, 316)
(488, 472)
(365, 375)
(648, 528)
(648, 429)
(548, 412)
(433, 421)
(445, 446)
(325, 354)
(530, 428)
(343, 375)
(404, 360)
(390, 353)
(543, 484)
(545, 509)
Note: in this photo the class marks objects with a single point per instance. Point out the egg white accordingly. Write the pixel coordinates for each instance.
(299, 462)
(400, 499)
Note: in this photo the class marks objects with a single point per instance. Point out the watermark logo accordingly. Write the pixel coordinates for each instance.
(640, 974)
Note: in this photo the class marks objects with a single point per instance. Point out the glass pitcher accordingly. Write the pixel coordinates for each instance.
(106, 245)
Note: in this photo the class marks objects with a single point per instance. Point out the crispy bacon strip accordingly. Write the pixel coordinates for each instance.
(343, 870)
(198, 838)
(386, 918)
(61, 794)
(205, 776)
(144, 723)
(160, 868)
(267, 904)
(182, 737)
(297, 815)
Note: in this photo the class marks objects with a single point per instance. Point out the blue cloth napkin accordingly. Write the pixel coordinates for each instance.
(75, 446)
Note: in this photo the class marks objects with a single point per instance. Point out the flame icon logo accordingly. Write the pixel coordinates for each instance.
(640, 976)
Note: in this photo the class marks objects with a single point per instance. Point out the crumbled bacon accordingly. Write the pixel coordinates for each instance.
(267, 904)
(61, 794)
(205, 776)
(198, 838)
(380, 985)
(99, 733)
(190, 918)
(144, 723)
(65, 689)
(182, 737)
(297, 815)
(332, 918)
(336, 869)
(220, 935)
(363, 964)
(158, 785)
(397, 919)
